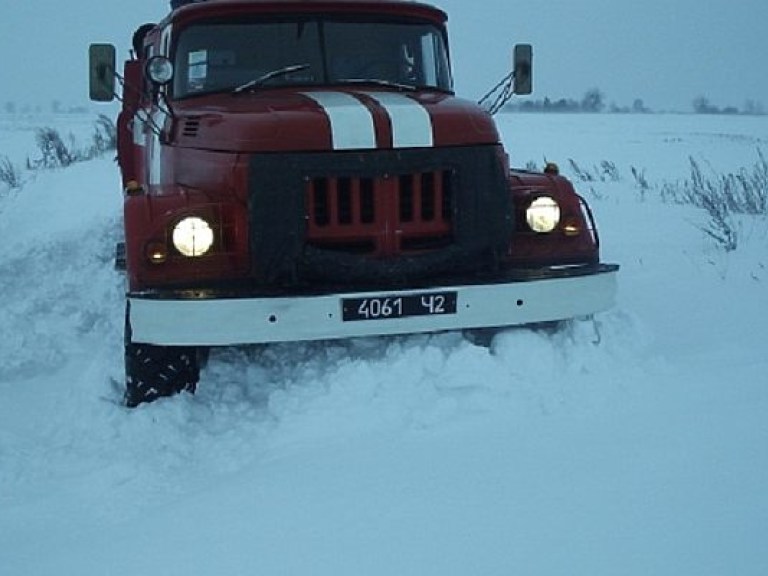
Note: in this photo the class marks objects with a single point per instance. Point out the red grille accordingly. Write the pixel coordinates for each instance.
(381, 216)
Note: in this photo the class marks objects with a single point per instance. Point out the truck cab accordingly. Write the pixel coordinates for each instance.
(303, 170)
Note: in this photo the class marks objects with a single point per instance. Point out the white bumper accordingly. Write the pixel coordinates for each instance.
(230, 321)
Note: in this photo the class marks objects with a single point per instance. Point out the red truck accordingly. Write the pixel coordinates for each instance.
(302, 170)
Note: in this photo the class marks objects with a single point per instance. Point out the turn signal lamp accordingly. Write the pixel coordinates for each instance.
(571, 228)
(133, 188)
(156, 252)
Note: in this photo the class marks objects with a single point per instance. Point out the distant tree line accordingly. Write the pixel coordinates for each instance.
(702, 105)
(594, 101)
(55, 107)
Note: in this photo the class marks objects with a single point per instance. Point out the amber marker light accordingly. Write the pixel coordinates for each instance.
(133, 188)
(571, 227)
(156, 252)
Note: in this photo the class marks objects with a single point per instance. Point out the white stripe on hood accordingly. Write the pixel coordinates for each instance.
(352, 126)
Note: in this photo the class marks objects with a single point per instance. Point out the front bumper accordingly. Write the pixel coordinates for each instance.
(187, 320)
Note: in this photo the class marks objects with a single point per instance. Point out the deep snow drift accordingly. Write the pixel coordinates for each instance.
(636, 443)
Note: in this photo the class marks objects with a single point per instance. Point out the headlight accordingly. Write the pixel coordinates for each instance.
(193, 237)
(543, 215)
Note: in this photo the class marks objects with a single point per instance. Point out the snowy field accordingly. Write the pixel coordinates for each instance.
(634, 444)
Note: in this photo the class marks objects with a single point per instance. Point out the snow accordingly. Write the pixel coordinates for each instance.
(633, 444)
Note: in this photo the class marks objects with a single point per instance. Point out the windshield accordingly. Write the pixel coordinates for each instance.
(216, 56)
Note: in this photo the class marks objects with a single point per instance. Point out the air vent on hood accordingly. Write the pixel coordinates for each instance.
(191, 126)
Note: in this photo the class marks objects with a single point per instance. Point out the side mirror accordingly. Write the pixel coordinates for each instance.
(523, 67)
(101, 59)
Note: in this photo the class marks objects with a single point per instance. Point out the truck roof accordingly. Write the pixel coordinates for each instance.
(408, 8)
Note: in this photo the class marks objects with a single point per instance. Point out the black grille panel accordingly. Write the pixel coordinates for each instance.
(378, 218)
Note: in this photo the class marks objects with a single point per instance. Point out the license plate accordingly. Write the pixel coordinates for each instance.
(385, 307)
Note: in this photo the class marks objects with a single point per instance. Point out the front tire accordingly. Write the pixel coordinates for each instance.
(152, 372)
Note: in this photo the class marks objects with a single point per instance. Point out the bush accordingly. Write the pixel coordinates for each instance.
(104, 136)
(532, 166)
(605, 172)
(743, 192)
(723, 195)
(640, 181)
(710, 196)
(9, 173)
(54, 151)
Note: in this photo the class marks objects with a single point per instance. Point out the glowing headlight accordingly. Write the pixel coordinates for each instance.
(543, 215)
(193, 237)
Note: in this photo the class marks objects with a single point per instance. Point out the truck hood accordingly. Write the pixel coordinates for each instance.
(326, 120)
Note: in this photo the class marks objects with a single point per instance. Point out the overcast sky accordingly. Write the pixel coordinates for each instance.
(666, 52)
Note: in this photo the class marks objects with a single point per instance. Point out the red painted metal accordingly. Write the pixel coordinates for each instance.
(531, 249)
(284, 120)
(384, 8)
(195, 162)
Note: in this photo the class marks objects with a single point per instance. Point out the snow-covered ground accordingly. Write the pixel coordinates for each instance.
(634, 444)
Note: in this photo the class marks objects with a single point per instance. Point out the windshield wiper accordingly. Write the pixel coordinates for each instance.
(379, 82)
(268, 76)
